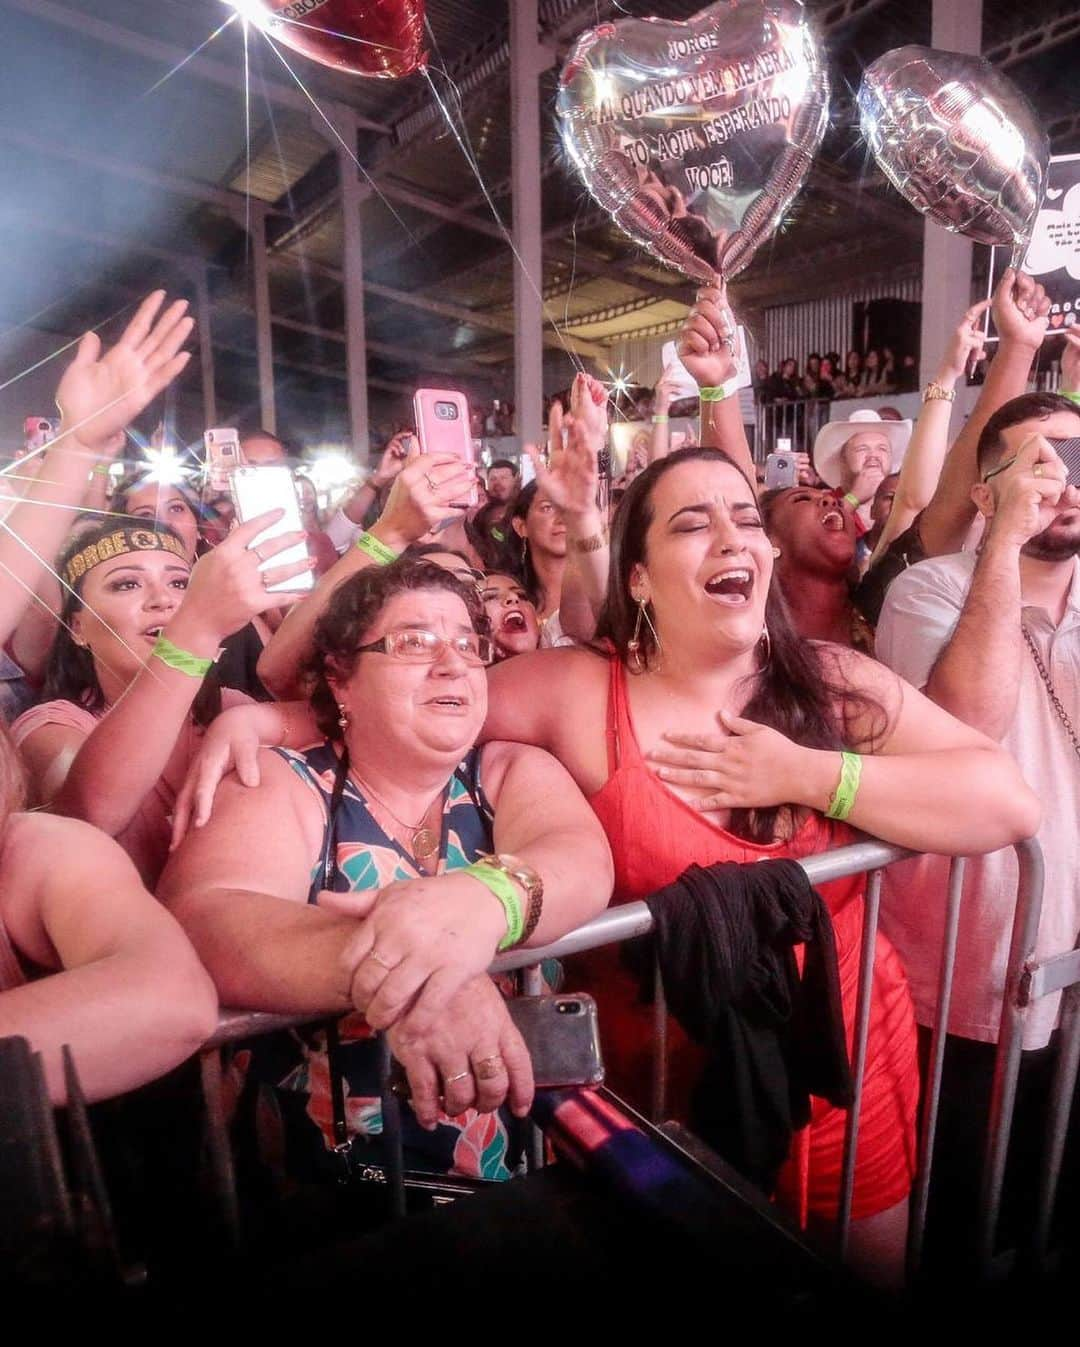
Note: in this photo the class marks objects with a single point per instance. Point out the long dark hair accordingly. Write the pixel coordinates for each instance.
(352, 609)
(521, 557)
(70, 675)
(792, 693)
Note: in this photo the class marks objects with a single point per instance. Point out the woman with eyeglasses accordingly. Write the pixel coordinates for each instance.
(377, 874)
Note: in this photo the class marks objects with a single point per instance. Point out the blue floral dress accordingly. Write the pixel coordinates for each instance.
(289, 1072)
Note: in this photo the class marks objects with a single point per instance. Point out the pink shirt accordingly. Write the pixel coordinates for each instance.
(146, 837)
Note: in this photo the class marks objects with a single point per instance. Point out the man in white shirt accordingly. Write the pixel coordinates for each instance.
(972, 631)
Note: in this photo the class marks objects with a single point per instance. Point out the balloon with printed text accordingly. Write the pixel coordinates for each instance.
(382, 39)
(697, 136)
(959, 141)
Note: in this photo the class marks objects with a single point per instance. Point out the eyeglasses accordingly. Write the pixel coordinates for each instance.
(469, 576)
(415, 646)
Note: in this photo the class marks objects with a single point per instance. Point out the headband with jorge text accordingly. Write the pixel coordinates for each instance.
(118, 544)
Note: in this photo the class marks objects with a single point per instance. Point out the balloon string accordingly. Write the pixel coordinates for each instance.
(341, 141)
(190, 56)
(60, 349)
(474, 166)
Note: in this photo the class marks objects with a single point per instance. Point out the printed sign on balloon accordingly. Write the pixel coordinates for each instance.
(697, 136)
(1054, 255)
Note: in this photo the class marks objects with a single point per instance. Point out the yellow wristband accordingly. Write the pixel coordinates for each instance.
(377, 551)
(843, 797)
(711, 394)
(504, 888)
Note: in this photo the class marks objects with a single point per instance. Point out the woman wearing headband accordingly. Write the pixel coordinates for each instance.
(125, 684)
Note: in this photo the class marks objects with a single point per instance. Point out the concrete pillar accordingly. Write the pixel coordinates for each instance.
(352, 263)
(206, 345)
(527, 59)
(264, 338)
(946, 278)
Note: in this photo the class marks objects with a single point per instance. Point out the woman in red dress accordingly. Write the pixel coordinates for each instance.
(709, 731)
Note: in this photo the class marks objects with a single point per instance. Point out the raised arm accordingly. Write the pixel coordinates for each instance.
(99, 395)
(705, 347)
(122, 758)
(977, 675)
(1020, 309)
(921, 469)
(422, 494)
(128, 994)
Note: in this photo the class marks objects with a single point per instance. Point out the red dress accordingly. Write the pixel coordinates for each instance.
(654, 836)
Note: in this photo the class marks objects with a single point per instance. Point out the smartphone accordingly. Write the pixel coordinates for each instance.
(38, 431)
(562, 1034)
(1069, 453)
(781, 470)
(443, 426)
(256, 490)
(223, 456)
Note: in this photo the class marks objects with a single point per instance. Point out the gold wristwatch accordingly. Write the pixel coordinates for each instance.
(935, 393)
(530, 881)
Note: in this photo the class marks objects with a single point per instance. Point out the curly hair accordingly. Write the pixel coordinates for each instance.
(354, 607)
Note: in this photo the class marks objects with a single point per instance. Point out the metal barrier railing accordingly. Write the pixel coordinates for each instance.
(1026, 981)
(794, 419)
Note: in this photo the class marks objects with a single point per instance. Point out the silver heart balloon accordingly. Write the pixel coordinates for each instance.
(697, 136)
(958, 140)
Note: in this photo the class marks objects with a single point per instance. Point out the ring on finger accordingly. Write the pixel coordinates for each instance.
(432, 484)
(376, 957)
(487, 1068)
(453, 1080)
(1036, 471)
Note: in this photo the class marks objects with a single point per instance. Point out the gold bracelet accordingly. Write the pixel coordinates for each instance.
(591, 544)
(935, 393)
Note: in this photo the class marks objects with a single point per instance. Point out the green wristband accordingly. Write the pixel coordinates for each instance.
(852, 499)
(503, 887)
(377, 551)
(183, 661)
(660, 419)
(711, 394)
(1073, 397)
(843, 797)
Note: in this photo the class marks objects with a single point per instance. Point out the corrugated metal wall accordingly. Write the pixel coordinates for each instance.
(824, 324)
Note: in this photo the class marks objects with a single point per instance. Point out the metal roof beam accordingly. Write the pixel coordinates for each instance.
(1034, 40)
(124, 39)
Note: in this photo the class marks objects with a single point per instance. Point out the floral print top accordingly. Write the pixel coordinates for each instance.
(290, 1070)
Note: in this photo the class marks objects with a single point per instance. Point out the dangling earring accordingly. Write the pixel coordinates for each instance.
(524, 549)
(767, 643)
(633, 646)
(776, 553)
(343, 718)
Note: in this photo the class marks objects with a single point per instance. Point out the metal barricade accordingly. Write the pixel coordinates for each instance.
(794, 419)
(1026, 981)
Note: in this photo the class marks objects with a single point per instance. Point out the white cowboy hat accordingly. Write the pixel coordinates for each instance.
(828, 447)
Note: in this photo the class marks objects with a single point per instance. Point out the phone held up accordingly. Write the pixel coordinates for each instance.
(781, 468)
(443, 427)
(256, 490)
(223, 456)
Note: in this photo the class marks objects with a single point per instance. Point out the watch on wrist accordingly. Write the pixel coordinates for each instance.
(530, 881)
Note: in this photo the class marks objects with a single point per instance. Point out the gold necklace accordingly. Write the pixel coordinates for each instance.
(424, 842)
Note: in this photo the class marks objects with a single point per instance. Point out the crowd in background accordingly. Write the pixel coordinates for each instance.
(873, 373)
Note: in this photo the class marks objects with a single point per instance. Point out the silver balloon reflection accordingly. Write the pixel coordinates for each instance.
(697, 136)
(958, 140)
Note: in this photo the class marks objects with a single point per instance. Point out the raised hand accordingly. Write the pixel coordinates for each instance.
(1021, 309)
(101, 393)
(571, 475)
(965, 348)
(427, 490)
(706, 342)
(1034, 477)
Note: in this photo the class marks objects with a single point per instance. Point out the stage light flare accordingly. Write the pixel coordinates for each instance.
(165, 468)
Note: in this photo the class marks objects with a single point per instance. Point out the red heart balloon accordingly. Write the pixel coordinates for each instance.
(379, 38)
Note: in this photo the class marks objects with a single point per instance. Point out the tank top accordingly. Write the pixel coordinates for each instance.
(289, 1073)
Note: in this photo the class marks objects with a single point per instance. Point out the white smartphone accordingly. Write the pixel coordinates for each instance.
(223, 455)
(256, 490)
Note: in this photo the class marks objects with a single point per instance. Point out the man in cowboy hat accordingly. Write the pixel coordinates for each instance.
(854, 455)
